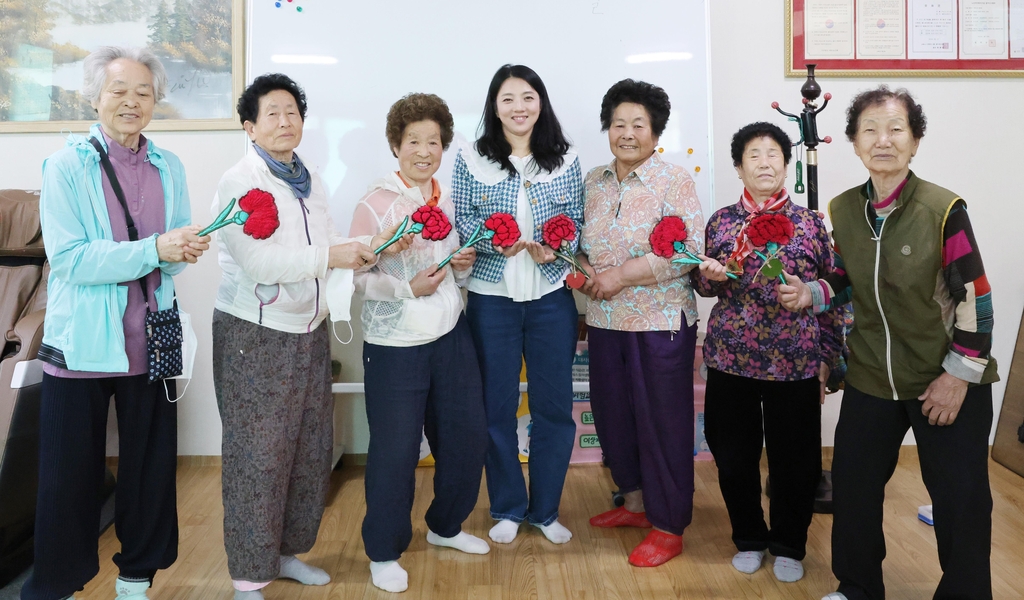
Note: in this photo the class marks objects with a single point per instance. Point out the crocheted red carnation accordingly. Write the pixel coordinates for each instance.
(506, 230)
(775, 228)
(262, 221)
(666, 233)
(559, 229)
(436, 225)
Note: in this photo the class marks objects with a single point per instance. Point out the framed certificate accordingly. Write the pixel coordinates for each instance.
(905, 38)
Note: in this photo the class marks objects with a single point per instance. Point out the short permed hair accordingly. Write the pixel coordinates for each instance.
(419, 107)
(756, 131)
(881, 95)
(249, 102)
(95, 68)
(653, 98)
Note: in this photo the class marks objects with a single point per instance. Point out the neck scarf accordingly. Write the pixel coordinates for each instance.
(295, 174)
(743, 247)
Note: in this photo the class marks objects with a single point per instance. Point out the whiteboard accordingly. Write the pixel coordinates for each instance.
(355, 59)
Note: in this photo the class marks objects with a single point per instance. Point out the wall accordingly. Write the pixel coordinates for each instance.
(973, 125)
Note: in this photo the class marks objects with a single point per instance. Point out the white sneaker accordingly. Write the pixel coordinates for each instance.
(835, 596)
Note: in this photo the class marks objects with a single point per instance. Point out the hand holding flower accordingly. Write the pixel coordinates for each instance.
(500, 228)
(426, 281)
(711, 269)
(464, 259)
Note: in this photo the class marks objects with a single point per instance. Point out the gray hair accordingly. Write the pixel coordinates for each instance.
(96, 64)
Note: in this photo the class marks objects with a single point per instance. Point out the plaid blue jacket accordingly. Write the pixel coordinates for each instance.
(476, 200)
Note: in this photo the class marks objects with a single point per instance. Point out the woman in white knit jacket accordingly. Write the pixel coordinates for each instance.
(420, 366)
(271, 350)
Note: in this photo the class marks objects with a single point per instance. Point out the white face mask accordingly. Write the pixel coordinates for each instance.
(340, 287)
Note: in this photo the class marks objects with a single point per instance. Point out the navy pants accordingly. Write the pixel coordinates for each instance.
(431, 389)
(641, 392)
(744, 415)
(72, 456)
(544, 332)
(954, 467)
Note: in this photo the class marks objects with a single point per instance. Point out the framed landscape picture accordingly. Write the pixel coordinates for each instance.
(43, 43)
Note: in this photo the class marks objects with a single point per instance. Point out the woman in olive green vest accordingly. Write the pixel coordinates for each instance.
(919, 355)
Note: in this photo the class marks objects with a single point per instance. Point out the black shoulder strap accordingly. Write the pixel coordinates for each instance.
(133, 233)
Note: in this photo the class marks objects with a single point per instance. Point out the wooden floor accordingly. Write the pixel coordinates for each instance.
(592, 566)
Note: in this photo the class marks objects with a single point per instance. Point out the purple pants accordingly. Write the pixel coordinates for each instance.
(641, 392)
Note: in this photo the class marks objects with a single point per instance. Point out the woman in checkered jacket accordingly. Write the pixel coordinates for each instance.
(518, 304)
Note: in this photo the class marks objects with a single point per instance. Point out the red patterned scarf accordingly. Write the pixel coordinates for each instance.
(743, 247)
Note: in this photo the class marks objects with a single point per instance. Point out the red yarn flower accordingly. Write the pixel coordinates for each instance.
(506, 230)
(262, 221)
(559, 229)
(666, 233)
(436, 225)
(773, 228)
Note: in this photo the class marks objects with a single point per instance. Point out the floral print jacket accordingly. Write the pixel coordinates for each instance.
(749, 333)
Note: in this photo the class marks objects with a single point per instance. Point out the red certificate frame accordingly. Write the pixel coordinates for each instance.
(907, 67)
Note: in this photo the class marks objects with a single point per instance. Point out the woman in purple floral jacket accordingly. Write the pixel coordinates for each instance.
(767, 366)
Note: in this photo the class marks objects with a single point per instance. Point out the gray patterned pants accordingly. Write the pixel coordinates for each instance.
(276, 409)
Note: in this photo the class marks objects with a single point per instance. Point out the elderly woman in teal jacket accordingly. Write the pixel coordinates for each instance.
(102, 283)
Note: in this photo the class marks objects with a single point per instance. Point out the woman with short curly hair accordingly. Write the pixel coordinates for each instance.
(419, 363)
(271, 348)
(767, 367)
(920, 355)
(642, 320)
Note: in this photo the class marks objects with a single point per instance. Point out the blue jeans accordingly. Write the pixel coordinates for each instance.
(544, 331)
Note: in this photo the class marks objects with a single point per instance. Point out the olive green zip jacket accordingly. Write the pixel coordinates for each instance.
(903, 311)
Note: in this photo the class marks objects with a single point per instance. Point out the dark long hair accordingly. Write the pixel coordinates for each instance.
(547, 142)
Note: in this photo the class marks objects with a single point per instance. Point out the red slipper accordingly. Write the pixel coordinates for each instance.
(620, 517)
(656, 549)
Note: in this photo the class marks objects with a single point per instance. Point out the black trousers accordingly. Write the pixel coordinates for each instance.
(72, 455)
(742, 415)
(954, 467)
(432, 389)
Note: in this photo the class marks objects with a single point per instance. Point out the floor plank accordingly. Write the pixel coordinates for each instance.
(591, 567)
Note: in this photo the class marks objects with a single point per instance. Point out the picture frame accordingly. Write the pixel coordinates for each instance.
(914, 38)
(201, 44)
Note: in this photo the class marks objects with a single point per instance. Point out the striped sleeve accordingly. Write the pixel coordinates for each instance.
(832, 290)
(968, 285)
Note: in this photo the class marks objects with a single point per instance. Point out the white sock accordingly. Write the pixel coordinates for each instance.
(835, 596)
(788, 570)
(556, 532)
(749, 561)
(470, 544)
(293, 568)
(504, 532)
(131, 590)
(389, 576)
(253, 595)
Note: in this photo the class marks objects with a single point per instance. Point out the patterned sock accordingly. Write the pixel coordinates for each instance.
(555, 532)
(253, 595)
(470, 544)
(788, 570)
(657, 548)
(293, 568)
(620, 517)
(504, 532)
(389, 576)
(748, 561)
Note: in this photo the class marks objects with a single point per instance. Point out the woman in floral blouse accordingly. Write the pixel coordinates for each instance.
(642, 319)
(767, 366)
